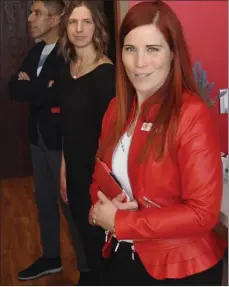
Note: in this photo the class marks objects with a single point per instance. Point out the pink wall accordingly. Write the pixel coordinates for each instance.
(205, 28)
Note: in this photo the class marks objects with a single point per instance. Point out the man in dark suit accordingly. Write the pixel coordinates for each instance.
(32, 84)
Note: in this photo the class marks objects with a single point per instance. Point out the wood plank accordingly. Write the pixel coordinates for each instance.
(20, 237)
(14, 144)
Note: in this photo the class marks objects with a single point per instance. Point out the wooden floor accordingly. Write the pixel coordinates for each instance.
(20, 237)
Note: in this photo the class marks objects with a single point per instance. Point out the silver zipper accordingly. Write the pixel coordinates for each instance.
(106, 235)
(151, 202)
(117, 246)
(133, 251)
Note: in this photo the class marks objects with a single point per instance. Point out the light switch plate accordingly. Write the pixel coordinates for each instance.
(223, 101)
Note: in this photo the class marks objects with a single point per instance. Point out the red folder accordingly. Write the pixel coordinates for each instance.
(110, 186)
(106, 181)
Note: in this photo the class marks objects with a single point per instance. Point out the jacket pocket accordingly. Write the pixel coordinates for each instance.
(149, 203)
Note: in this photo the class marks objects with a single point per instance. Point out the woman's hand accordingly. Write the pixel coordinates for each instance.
(103, 212)
(63, 185)
(119, 202)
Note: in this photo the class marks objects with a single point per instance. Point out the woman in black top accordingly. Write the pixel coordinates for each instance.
(86, 86)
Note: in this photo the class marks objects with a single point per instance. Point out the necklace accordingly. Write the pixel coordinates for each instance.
(79, 69)
(127, 140)
(122, 146)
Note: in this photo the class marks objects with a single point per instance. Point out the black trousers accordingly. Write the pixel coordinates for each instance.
(92, 236)
(122, 270)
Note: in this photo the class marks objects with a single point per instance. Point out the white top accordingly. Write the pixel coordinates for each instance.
(120, 164)
(45, 52)
(120, 167)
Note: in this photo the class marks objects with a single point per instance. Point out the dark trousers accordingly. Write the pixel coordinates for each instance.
(82, 265)
(92, 236)
(122, 270)
(46, 166)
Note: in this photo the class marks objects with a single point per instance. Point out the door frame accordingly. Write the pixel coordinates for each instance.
(121, 8)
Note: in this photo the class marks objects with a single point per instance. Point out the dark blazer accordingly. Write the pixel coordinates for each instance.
(39, 96)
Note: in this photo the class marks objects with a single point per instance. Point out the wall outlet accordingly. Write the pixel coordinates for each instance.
(223, 101)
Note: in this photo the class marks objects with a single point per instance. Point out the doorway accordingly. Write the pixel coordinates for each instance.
(109, 10)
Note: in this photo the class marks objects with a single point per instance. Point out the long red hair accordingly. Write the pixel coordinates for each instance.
(169, 96)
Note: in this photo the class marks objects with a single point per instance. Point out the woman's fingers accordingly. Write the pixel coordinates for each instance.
(119, 198)
(132, 205)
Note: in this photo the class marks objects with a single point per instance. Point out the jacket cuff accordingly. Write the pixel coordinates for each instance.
(124, 229)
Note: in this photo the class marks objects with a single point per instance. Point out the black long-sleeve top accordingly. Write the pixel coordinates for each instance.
(83, 102)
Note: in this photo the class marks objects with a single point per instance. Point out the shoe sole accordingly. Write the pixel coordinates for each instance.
(52, 271)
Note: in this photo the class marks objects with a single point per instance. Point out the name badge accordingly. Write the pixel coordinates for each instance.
(146, 127)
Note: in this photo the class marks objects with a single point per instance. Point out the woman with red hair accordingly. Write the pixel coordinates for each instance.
(160, 142)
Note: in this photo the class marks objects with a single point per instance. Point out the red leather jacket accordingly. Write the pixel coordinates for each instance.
(176, 240)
